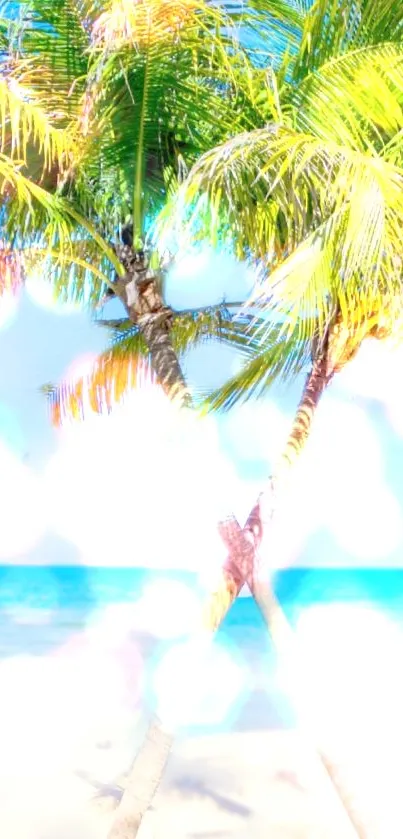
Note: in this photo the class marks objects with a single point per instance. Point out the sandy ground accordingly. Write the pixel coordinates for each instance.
(240, 784)
(69, 730)
(233, 785)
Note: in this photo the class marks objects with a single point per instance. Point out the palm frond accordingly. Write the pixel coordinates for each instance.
(282, 359)
(26, 121)
(363, 92)
(47, 235)
(138, 24)
(54, 39)
(11, 270)
(332, 28)
(322, 218)
(152, 110)
(124, 365)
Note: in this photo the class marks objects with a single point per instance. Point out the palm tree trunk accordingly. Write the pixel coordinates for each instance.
(140, 294)
(259, 520)
(337, 351)
(150, 761)
(142, 784)
(244, 546)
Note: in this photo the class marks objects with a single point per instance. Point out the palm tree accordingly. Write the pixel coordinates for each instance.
(317, 203)
(320, 206)
(284, 189)
(125, 80)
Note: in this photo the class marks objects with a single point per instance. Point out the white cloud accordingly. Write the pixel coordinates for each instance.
(367, 522)
(197, 683)
(255, 430)
(145, 486)
(371, 372)
(338, 483)
(23, 511)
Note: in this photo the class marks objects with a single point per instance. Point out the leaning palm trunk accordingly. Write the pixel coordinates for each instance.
(338, 350)
(140, 294)
(148, 768)
(244, 546)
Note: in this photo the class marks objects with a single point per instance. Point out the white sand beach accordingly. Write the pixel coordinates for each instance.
(72, 719)
(235, 785)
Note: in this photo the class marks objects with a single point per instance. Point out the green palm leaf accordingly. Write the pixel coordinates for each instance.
(148, 108)
(319, 207)
(282, 359)
(124, 364)
(26, 121)
(333, 28)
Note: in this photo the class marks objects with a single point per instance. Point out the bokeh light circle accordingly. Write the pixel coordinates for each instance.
(199, 683)
(41, 291)
(345, 678)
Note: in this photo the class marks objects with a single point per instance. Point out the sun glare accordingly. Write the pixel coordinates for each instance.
(372, 372)
(197, 683)
(42, 293)
(8, 309)
(350, 656)
(348, 689)
(168, 609)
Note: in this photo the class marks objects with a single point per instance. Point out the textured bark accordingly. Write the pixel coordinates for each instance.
(235, 570)
(139, 291)
(315, 385)
(142, 783)
(156, 332)
(337, 351)
(354, 816)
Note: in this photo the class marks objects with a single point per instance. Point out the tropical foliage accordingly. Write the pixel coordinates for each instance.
(124, 364)
(121, 99)
(313, 192)
(305, 180)
(283, 143)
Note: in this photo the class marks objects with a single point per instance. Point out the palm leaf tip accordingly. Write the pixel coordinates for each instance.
(113, 375)
(11, 272)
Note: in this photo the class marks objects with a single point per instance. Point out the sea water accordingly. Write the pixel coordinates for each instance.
(44, 609)
(64, 598)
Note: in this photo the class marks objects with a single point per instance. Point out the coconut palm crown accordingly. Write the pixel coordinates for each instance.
(291, 156)
(138, 91)
(312, 192)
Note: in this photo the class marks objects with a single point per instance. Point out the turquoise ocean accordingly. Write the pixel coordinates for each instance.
(69, 595)
(43, 608)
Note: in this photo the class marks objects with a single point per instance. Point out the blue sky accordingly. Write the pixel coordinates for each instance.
(345, 501)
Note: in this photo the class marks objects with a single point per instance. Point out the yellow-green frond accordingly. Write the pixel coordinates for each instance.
(333, 215)
(281, 359)
(138, 23)
(52, 238)
(27, 120)
(362, 91)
